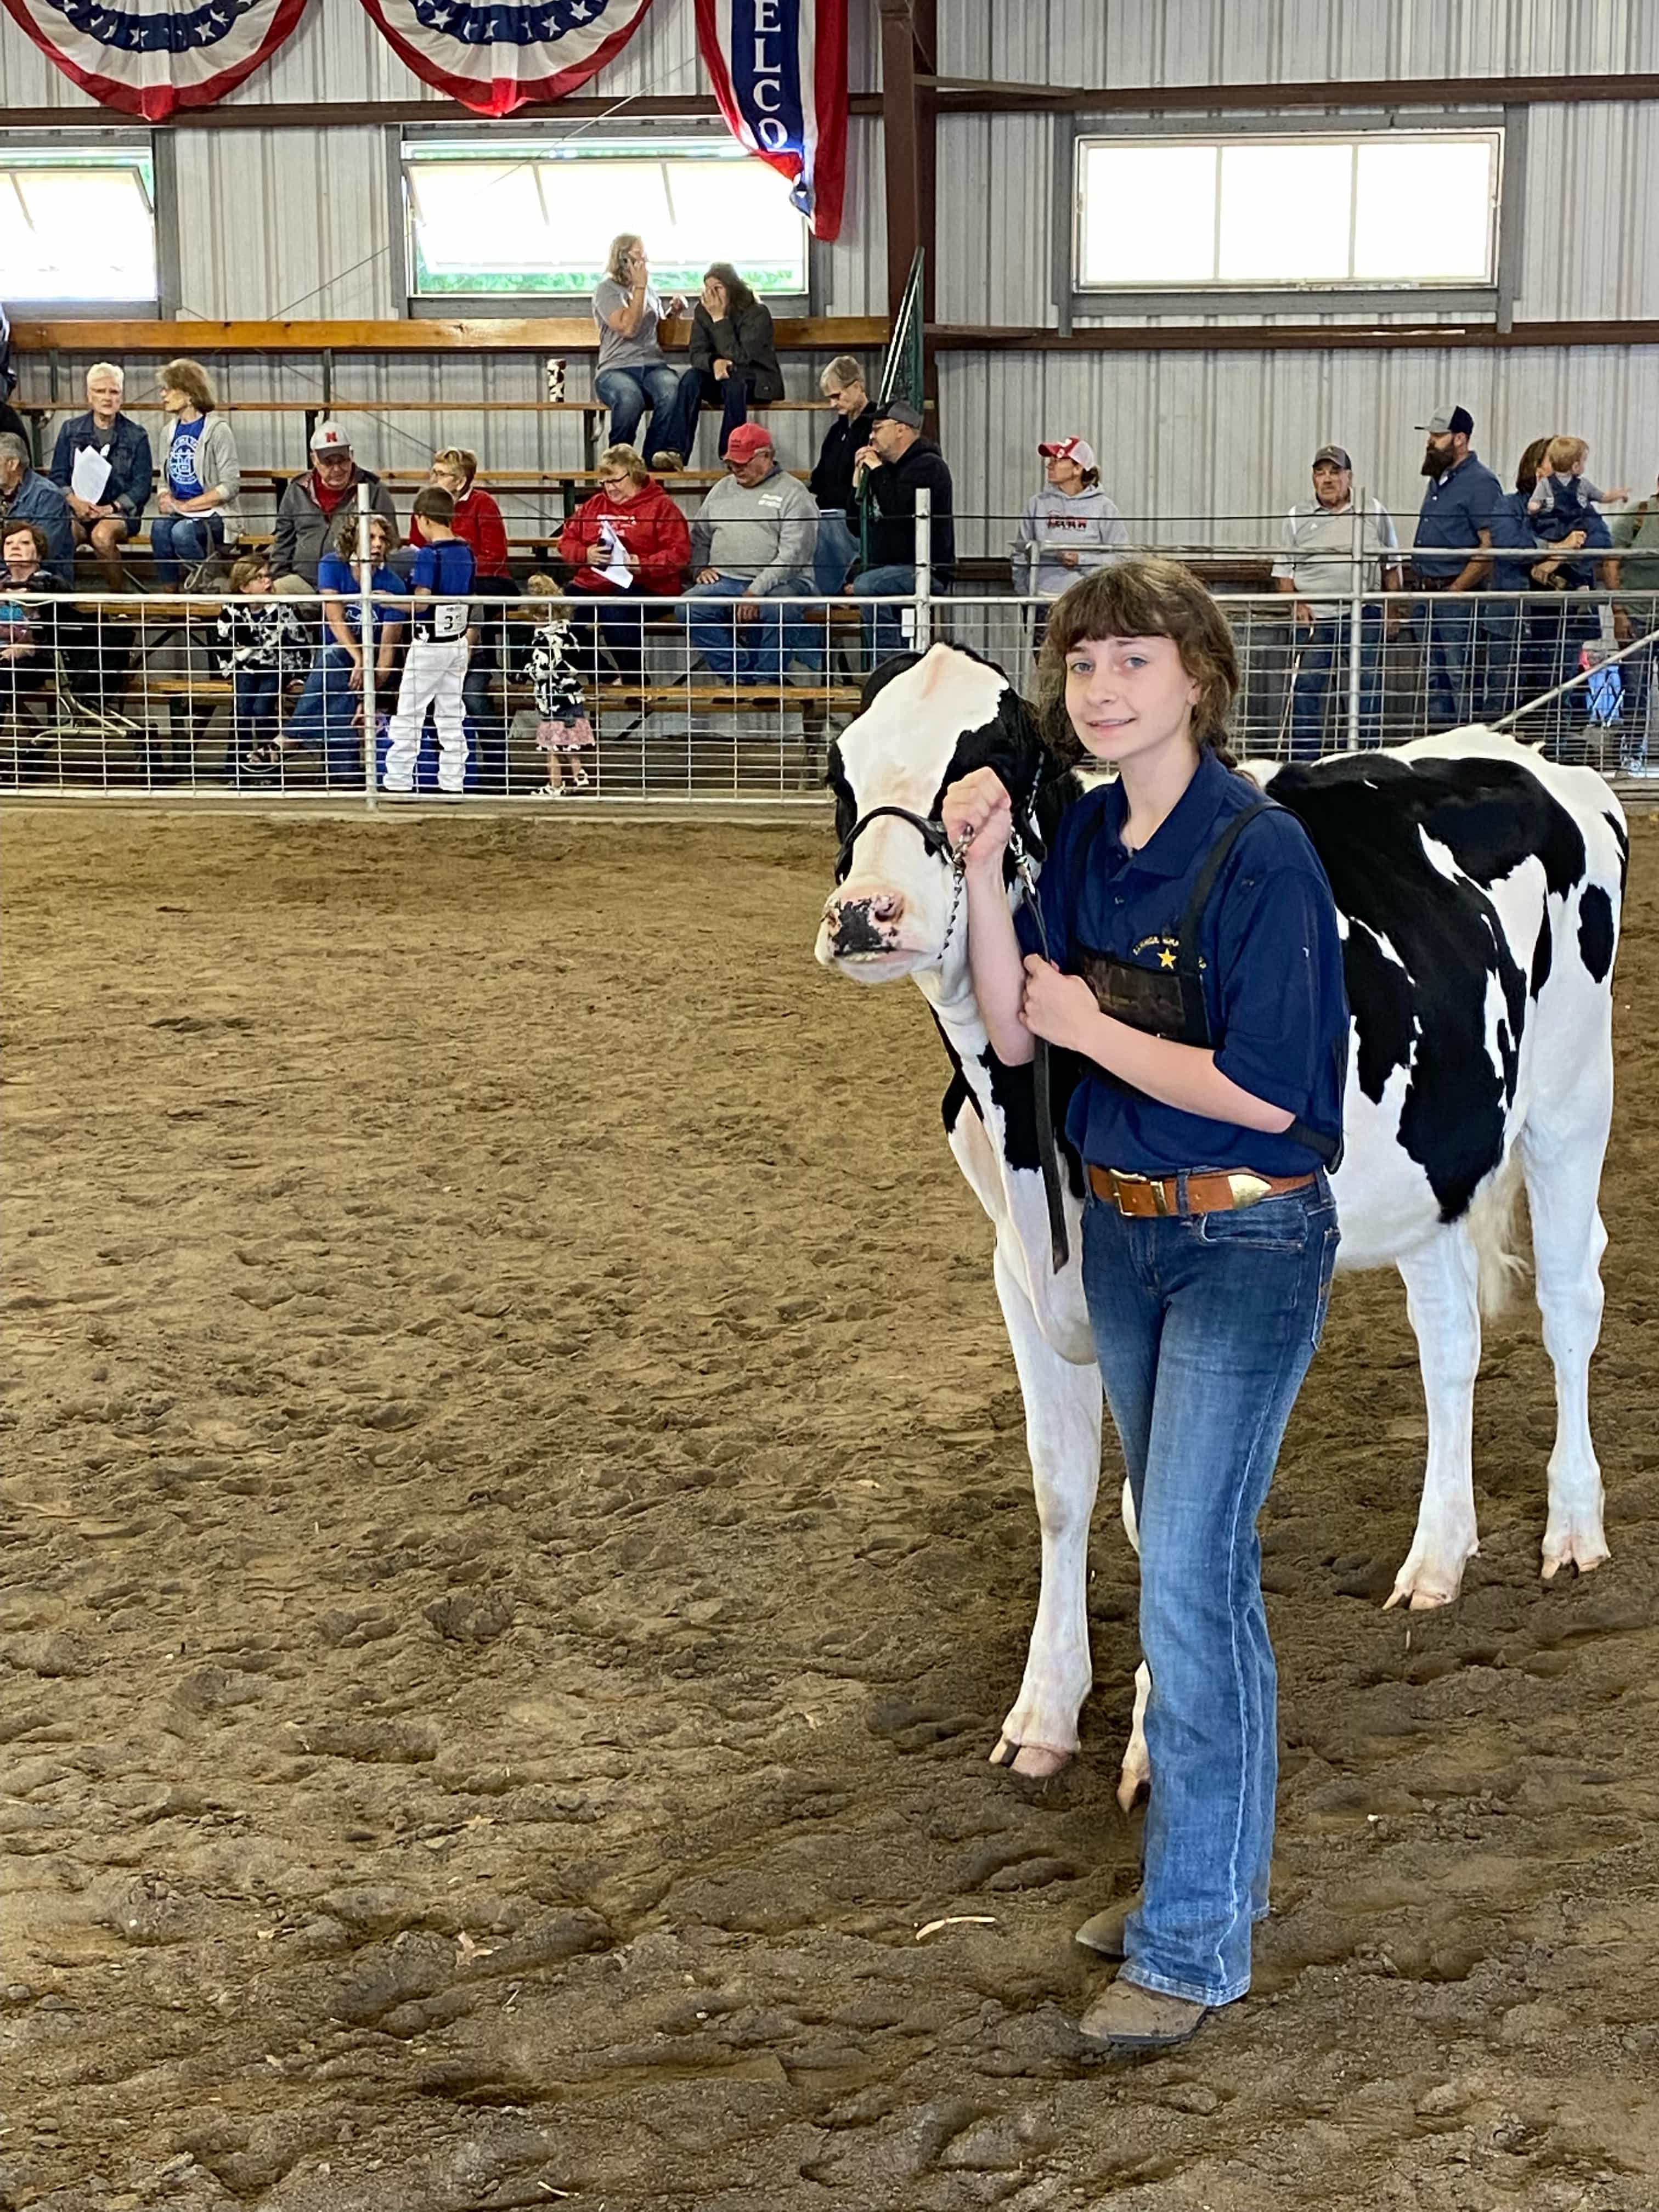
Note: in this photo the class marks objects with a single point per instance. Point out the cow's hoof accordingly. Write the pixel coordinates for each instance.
(1585, 1549)
(1036, 1761)
(1427, 1581)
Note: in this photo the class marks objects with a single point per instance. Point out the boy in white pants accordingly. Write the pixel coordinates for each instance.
(435, 667)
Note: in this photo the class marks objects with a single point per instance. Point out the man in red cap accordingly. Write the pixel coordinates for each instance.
(752, 542)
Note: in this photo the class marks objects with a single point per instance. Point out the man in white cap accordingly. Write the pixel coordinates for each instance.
(311, 505)
(1070, 527)
(1317, 568)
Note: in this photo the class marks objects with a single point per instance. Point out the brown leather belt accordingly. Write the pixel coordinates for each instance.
(1211, 1190)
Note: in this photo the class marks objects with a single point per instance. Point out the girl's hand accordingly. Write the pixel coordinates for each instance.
(1056, 1007)
(355, 681)
(978, 809)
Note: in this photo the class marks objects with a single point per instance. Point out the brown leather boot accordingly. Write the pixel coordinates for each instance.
(1129, 2019)
(1103, 1933)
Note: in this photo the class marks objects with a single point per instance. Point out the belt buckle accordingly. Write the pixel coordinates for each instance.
(1248, 1189)
(1119, 1178)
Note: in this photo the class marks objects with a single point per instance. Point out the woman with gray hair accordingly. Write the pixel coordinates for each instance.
(632, 372)
(200, 474)
(832, 481)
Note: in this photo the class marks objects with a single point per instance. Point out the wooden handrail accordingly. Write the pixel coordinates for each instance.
(491, 334)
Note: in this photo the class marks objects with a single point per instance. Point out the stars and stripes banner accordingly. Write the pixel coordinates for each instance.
(150, 56)
(495, 55)
(779, 71)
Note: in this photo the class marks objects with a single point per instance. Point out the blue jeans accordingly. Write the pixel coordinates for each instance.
(1325, 647)
(699, 389)
(255, 703)
(753, 651)
(1204, 1328)
(628, 392)
(1446, 624)
(836, 552)
(177, 542)
(326, 713)
(883, 636)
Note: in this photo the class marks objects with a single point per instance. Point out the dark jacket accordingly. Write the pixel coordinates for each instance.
(305, 533)
(130, 469)
(746, 340)
(893, 489)
(37, 499)
(832, 481)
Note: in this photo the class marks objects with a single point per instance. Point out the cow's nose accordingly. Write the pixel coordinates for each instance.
(867, 924)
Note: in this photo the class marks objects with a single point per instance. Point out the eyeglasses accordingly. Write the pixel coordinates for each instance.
(615, 479)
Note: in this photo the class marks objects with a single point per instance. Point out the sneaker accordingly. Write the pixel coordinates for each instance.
(548, 791)
(583, 779)
(667, 462)
(397, 790)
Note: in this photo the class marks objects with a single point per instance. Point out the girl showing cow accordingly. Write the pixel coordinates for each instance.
(1196, 970)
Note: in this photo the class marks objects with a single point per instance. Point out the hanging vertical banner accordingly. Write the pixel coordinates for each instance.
(150, 57)
(496, 55)
(779, 71)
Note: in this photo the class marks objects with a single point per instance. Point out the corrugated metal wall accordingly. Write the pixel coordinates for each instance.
(277, 222)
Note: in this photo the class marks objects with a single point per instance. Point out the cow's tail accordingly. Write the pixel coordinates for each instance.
(1501, 1239)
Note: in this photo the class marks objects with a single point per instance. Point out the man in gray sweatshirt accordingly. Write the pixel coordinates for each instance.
(751, 540)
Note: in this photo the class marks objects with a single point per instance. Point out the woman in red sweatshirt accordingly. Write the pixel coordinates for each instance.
(633, 528)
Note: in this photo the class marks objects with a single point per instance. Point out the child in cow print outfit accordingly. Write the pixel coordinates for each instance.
(563, 731)
(1195, 968)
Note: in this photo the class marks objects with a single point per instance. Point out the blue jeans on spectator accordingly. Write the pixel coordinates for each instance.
(1325, 647)
(883, 635)
(1204, 1326)
(834, 553)
(757, 651)
(1636, 746)
(177, 542)
(628, 392)
(699, 389)
(255, 700)
(1446, 625)
(326, 713)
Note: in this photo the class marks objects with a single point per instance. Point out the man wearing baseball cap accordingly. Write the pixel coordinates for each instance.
(1316, 568)
(897, 462)
(306, 519)
(1070, 527)
(1448, 559)
(751, 546)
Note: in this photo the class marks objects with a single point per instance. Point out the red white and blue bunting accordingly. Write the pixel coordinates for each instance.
(779, 71)
(495, 55)
(150, 56)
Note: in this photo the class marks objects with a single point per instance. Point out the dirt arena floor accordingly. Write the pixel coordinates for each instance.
(517, 1539)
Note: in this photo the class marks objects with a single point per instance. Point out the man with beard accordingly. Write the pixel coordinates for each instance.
(1457, 512)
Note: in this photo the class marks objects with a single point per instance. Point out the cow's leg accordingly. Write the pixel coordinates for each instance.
(1442, 1298)
(1062, 1434)
(1561, 1152)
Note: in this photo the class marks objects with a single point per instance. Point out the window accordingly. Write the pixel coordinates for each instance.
(77, 227)
(1380, 209)
(488, 217)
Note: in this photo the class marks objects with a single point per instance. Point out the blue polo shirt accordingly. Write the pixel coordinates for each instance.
(1456, 507)
(1273, 969)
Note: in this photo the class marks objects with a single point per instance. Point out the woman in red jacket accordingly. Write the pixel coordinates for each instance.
(478, 522)
(632, 529)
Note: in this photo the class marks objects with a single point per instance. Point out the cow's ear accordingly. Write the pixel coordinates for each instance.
(880, 678)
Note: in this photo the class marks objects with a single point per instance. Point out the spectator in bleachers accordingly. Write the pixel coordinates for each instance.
(307, 519)
(1636, 536)
(1070, 526)
(734, 358)
(200, 475)
(832, 481)
(435, 666)
(26, 496)
(27, 633)
(329, 710)
(1563, 488)
(10, 420)
(632, 372)
(1516, 653)
(563, 728)
(479, 524)
(628, 542)
(1317, 568)
(106, 522)
(1449, 559)
(751, 541)
(897, 462)
(262, 642)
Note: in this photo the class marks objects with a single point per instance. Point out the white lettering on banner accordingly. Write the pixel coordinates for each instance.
(765, 15)
(774, 136)
(764, 66)
(762, 87)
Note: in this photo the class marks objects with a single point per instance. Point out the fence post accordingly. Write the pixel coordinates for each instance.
(1356, 615)
(923, 637)
(367, 639)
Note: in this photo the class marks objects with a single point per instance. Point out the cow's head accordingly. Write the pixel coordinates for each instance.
(924, 723)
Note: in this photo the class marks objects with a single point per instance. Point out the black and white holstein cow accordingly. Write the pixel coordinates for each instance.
(1478, 889)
